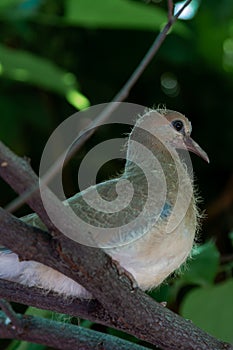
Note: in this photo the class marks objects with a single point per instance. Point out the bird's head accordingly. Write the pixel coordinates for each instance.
(163, 132)
(180, 137)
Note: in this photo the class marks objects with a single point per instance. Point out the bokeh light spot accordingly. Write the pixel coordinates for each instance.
(169, 84)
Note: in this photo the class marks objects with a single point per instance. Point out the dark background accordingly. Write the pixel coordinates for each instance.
(42, 40)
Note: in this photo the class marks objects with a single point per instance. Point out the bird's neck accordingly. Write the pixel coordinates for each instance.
(149, 159)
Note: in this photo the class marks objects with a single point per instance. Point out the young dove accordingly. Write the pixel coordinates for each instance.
(154, 233)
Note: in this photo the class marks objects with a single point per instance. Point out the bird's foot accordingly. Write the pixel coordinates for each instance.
(124, 273)
(163, 303)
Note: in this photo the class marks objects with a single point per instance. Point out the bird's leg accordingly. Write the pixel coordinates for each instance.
(124, 273)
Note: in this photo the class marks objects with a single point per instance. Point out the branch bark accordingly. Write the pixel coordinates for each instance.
(94, 270)
(61, 336)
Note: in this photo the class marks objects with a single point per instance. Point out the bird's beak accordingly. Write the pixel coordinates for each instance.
(192, 146)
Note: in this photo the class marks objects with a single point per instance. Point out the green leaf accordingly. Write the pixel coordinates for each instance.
(6, 4)
(161, 293)
(203, 266)
(211, 309)
(23, 345)
(34, 311)
(211, 50)
(86, 323)
(117, 14)
(28, 68)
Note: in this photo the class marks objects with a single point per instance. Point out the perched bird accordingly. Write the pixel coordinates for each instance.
(153, 233)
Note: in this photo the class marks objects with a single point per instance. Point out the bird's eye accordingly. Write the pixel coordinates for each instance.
(178, 125)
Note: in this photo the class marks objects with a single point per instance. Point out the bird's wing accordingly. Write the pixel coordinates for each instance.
(111, 209)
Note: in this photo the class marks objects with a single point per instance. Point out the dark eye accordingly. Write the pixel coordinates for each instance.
(178, 125)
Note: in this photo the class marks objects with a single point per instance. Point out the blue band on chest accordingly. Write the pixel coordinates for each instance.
(166, 211)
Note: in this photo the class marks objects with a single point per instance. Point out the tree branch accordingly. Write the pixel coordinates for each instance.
(33, 296)
(61, 336)
(95, 271)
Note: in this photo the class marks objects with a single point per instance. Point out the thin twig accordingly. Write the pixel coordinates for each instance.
(170, 7)
(119, 97)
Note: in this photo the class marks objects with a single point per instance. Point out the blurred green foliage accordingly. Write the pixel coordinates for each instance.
(57, 56)
(211, 309)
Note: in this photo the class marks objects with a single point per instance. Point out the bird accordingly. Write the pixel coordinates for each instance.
(154, 233)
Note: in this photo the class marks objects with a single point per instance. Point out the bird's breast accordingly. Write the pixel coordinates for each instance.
(157, 254)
